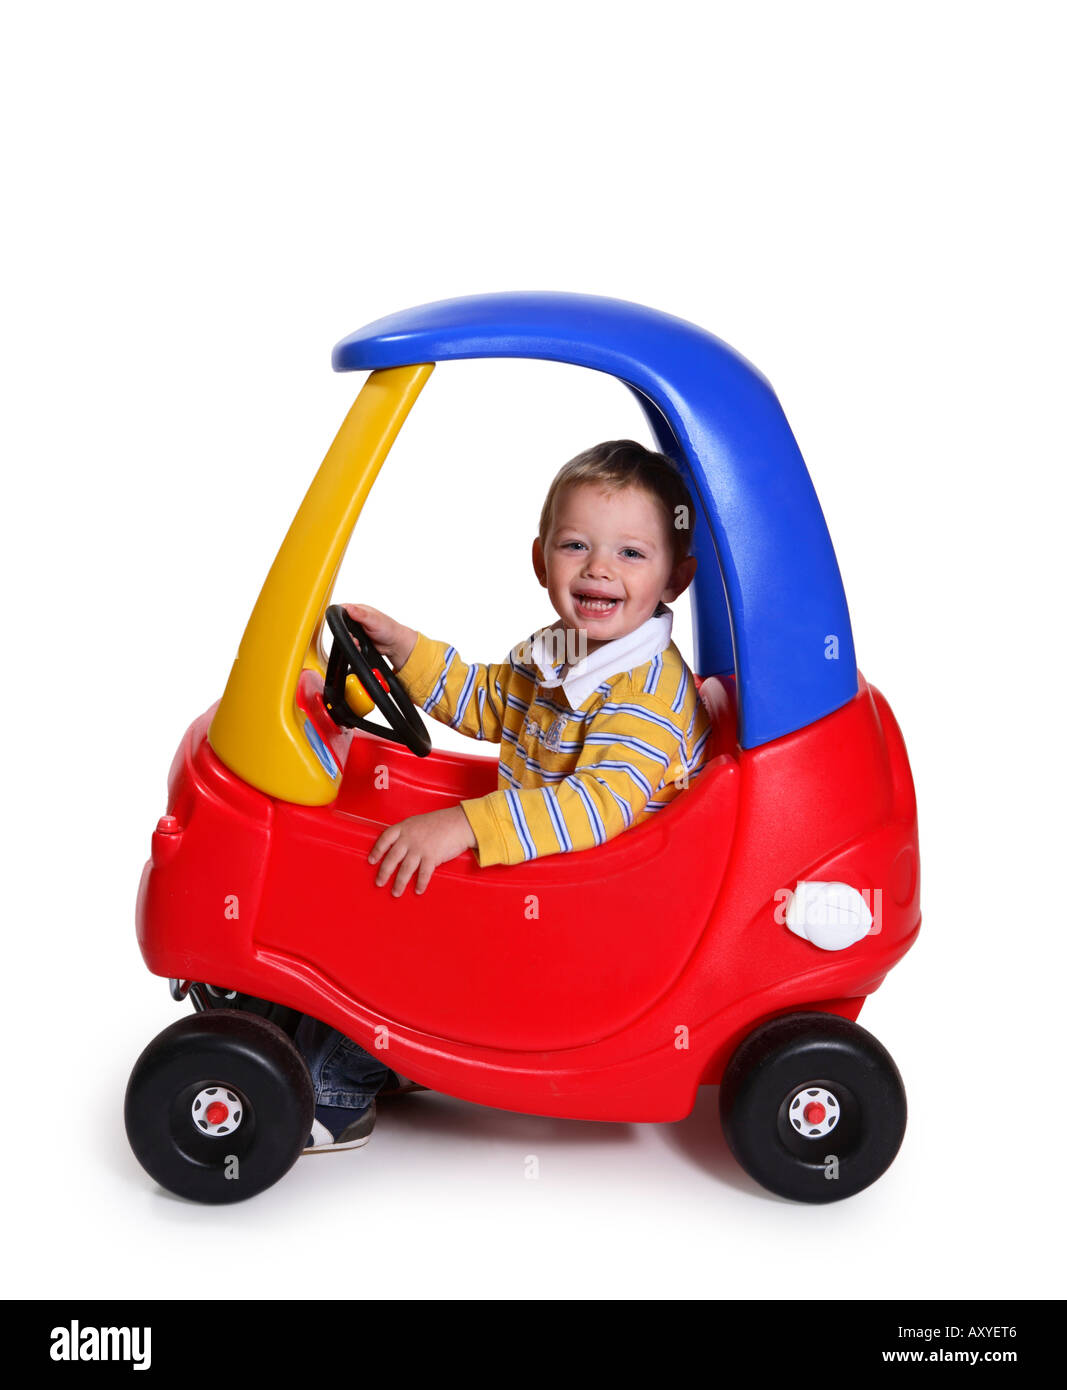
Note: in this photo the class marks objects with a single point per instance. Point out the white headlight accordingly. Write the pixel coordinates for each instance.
(829, 915)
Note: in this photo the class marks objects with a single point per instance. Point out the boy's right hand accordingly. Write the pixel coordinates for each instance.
(392, 639)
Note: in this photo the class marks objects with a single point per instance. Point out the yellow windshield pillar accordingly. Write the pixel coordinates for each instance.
(258, 731)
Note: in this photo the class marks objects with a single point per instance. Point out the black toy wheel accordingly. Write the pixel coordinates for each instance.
(219, 1106)
(813, 1107)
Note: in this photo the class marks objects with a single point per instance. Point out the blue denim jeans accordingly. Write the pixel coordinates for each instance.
(342, 1072)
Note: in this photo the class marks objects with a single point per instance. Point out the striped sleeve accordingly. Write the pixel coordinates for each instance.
(634, 751)
(470, 699)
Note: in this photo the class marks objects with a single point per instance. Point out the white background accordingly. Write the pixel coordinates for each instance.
(199, 201)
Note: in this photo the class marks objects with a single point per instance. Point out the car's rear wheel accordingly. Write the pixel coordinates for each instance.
(219, 1106)
(813, 1107)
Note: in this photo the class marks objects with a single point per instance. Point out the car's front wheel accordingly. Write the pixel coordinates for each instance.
(219, 1106)
(813, 1107)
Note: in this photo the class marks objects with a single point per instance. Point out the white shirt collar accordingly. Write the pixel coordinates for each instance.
(623, 654)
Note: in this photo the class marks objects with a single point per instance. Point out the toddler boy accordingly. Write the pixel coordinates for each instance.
(598, 718)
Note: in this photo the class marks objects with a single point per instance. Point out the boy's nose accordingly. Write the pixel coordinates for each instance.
(598, 566)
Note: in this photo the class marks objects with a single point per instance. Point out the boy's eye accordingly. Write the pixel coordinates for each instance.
(632, 554)
(573, 545)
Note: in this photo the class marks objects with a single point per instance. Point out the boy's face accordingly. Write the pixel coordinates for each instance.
(608, 561)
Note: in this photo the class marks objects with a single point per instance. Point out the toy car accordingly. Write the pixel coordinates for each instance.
(732, 939)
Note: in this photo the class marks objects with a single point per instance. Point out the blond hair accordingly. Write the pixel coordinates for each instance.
(621, 463)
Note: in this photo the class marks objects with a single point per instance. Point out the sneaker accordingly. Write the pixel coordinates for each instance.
(334, 1128)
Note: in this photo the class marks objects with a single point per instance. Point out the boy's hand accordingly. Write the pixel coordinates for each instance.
(417, 845)
(391, 638)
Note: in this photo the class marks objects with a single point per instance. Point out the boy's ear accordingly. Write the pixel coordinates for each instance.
(681, 578)
(540, 569)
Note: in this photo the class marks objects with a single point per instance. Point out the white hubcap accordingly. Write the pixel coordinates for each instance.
(814, 1112)
(217, 1110)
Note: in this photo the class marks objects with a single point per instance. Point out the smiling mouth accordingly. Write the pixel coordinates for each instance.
(594, 604)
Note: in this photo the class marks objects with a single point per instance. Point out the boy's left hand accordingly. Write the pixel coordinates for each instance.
(417, 845)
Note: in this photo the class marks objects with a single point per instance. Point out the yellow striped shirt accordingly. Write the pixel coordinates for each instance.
(567, 779)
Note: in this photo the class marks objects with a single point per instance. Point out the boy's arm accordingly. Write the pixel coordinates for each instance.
(629, 753)
(468, 698)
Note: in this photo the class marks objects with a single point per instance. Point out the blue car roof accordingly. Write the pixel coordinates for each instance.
(768, 602)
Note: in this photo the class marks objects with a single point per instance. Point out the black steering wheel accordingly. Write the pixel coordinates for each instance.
(353, 653)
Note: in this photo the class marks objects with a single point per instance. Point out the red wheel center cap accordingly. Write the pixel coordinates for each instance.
(216, 1113)
(815, 1112)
